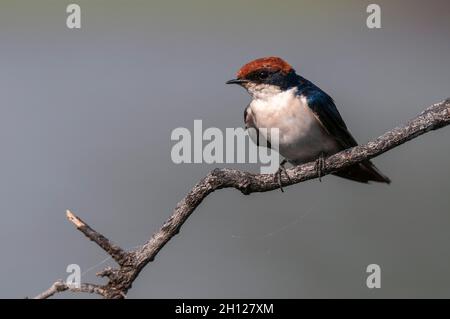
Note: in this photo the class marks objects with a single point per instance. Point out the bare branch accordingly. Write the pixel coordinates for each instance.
(434, 117)
(117, 253)
(132, 262)
(60, 286)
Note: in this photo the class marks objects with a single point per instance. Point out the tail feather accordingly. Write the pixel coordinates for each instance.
(363, 173)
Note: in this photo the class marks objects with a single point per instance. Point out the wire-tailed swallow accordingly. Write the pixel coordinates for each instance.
(310, 126)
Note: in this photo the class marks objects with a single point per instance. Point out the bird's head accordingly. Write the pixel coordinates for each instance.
(266, 76)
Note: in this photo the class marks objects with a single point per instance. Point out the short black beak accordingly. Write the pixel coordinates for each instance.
(236, 81)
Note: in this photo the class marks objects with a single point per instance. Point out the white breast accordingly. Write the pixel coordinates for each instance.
(302, 138)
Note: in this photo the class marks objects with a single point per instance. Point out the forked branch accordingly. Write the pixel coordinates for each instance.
(132, 262)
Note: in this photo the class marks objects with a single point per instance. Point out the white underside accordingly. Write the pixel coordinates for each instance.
(301, 136)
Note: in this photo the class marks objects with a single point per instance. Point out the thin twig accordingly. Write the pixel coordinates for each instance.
(117, 253)
(60, 286)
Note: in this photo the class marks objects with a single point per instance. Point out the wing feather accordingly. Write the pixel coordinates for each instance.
(328, 115)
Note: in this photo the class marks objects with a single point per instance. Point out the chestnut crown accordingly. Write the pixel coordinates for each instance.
(269, 70)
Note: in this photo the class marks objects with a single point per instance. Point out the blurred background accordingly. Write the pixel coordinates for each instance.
(85, 123)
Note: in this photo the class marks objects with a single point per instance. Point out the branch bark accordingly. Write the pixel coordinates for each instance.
(132, 262)
(60, 286)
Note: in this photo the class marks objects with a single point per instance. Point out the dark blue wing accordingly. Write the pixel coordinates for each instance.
(326, 112)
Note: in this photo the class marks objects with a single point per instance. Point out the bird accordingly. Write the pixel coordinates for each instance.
(309, 124)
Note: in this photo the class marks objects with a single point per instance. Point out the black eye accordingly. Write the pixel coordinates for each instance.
(263, 75)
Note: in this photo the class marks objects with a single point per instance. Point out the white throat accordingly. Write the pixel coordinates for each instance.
(262, 91)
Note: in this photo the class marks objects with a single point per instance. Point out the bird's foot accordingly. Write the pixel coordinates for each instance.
(320, 165)
(277, 175)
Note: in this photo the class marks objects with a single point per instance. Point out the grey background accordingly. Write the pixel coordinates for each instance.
(85, 123)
